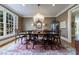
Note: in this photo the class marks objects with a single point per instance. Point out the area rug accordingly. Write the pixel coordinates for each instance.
(19, 49)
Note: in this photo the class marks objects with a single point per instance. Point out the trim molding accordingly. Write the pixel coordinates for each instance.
(66, 39)
(58, 13)
(6, 36)
(64, 10)
(32, 16)
(69, 21)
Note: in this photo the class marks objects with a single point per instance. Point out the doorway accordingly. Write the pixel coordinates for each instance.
(75, 29)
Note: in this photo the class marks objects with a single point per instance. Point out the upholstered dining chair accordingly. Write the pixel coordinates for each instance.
(47, 41)
(18, 37)
(37, 39)
(29, 37)
(57, 40)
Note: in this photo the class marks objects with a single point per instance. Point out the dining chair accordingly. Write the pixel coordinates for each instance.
(47, 40)
(28, 38)
(19, 37)
(57, 40)
(34, 40)
(37, 38)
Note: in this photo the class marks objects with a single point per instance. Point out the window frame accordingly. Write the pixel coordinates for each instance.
(15, 17)
(2, 23)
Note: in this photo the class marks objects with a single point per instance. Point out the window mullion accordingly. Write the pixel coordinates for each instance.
(4, 18)
(14, 24)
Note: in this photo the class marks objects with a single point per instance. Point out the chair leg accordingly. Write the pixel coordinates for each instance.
(44, 45)
(26, 45)
(51, 46)
(15, 40)
(60, 42)
(21, 40)
(33, 46)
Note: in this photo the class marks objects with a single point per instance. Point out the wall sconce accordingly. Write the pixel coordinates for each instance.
(53, 4)
(43, 24)
(32, 24)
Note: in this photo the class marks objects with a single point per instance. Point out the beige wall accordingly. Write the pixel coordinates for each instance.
(48, 21)
(20, 24)
(29, 21)
(64, 17)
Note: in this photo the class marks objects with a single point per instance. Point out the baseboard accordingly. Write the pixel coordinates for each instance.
(70, 42)
(66, 39)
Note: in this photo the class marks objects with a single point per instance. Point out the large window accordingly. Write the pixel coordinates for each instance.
(1, 23)
(8, 20)
(77, 24)
(9, 23)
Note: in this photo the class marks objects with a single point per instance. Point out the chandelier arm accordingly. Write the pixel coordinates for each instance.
(38, 16)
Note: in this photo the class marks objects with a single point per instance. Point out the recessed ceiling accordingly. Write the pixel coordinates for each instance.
(29, 10)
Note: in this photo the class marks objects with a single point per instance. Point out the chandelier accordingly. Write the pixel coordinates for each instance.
(38, 16)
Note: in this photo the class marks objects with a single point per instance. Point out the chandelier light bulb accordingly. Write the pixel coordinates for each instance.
(23, 4)
(53, 4)
(38, 16)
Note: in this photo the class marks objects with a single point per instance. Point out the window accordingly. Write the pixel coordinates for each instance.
(9, 23)
(1, 23)
(8, 20)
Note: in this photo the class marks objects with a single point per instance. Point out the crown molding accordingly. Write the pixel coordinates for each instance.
(58, 13)
(75, 8)
(14, 11)
(64, 10)
(32, 16)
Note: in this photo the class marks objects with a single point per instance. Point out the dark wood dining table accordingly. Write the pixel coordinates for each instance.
(52, 34)
(25, 33)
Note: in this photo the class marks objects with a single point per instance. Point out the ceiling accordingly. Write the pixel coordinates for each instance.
(75, 11)
(29, 10)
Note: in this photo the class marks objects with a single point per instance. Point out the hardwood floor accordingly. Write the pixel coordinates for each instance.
(8, 45)
(6, 41)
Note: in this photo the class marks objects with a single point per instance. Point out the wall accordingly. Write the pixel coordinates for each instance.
(64, 32)
(48, 21)
(15, 16)
(20, 24)
(64, 17)
(28, 21)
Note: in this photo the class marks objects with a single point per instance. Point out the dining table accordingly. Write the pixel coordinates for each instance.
(39, 35)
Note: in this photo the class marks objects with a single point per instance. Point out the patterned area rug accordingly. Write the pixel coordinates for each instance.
(19, 49)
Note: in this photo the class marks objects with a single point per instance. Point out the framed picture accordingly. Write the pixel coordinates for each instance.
(63, 24)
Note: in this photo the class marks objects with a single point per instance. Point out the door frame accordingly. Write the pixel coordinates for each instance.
(69, 22)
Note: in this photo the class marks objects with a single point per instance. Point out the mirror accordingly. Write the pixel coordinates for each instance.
(39, 24)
